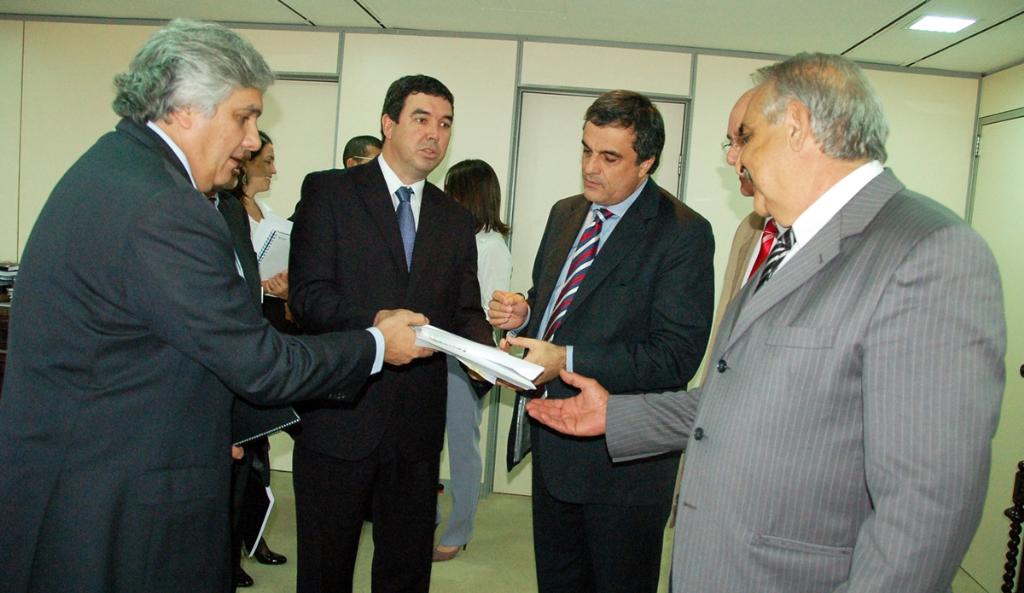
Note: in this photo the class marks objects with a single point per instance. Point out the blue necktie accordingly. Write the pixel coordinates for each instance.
(406, 223)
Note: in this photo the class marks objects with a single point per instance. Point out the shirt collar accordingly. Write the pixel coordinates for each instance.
(832, 201)
(174, 147)
(391, 178)
(620, 209)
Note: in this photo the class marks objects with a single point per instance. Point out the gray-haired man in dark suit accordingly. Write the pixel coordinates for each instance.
(133, 331)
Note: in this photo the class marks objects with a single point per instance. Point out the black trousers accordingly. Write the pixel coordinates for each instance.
(596, 548)
(331, 496)
(249, 478)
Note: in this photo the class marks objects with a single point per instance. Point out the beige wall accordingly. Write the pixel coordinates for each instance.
(1002, 91)
(11, 43)
(66, 94)
(997, 192)
(597, 67)
(931, 120)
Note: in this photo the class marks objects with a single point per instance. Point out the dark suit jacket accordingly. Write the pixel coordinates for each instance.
(237, 220)
(131, 335)
(347, 263)
(248, 420)
(639, 321)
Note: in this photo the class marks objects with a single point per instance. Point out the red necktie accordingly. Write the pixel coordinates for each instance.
(767, 239)
(582, 257)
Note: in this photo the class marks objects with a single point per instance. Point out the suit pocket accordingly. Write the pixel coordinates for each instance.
(802, 337)
(794, 545)
(784, 564)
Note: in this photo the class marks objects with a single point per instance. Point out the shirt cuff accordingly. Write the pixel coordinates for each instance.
(378, 358)
(568, 359)
(515, 332)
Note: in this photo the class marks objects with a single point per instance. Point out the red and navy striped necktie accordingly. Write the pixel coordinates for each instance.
(582, 257)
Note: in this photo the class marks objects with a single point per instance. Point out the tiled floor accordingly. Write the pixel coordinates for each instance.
(498, 560)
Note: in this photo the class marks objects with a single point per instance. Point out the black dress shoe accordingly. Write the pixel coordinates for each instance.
(264, 555)
(242, 579)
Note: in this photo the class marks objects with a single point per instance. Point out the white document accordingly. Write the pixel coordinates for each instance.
(266, 518)
(272, 240)
(489, 362)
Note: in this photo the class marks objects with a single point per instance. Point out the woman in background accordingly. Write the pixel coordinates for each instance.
(255, 178)
(473, 184)
(251, 473)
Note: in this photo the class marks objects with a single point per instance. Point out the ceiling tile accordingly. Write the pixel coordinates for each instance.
(995, 50)
(780, 27)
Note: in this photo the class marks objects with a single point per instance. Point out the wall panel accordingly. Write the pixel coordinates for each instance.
(66, 97)
(597, 67)
(931, 132)
(1002, 91)
(11, 33)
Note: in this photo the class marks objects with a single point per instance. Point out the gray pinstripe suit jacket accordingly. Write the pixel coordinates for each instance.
(841, 440)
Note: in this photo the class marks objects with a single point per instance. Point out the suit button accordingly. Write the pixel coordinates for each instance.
(722, 366)
(698, 434)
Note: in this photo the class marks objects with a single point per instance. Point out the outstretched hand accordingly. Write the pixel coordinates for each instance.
(583, 415)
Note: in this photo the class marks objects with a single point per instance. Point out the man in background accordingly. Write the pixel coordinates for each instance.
(752, 240)
(842, 440)
(133, 331)
(360, 150)
(622, 289)
(367, 240)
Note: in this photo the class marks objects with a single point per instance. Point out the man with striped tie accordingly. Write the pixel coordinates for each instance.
(622, 290)
(841, 440)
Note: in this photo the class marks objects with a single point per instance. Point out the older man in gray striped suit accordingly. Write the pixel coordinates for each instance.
(841, 440)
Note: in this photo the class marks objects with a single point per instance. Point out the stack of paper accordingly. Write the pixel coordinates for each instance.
(273, 237)
(489, 362)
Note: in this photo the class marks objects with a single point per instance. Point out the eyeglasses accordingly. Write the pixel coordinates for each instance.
(364, 158)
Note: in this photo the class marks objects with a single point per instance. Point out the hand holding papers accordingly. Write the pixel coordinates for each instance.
(400, 344)
(489, 362)
(272, 239)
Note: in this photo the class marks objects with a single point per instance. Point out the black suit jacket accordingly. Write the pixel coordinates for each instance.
(132, 332)
(249, 421)
(638, 323)
(347, 263)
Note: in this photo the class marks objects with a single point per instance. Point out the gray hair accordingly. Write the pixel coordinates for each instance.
(846, 115)
(188, 63)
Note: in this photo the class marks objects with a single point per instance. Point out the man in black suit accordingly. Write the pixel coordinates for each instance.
(366, 240)
(132, 332)
(622, 288)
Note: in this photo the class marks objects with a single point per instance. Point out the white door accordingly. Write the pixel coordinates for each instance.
(548, 169)
(997, 212)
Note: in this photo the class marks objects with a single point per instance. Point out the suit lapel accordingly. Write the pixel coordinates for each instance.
(562, 241)
(374, 194)
(628, 233)
(851, 220)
